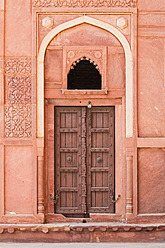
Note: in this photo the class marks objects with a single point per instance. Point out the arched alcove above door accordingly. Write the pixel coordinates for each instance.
(128, 60)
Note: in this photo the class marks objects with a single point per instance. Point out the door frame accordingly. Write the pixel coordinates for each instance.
(83, 165)
(119, 168)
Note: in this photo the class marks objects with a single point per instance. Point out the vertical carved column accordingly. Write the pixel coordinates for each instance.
(129, 193)
(83, 157)
(40, 167)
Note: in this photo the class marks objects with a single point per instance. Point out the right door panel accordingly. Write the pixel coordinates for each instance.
(100, 159)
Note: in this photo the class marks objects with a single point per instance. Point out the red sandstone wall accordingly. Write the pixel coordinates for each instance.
(17, 148)
(151, 104)
(18, 110)
(18, 28)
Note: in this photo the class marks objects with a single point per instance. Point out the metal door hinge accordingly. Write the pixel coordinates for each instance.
(55, 199)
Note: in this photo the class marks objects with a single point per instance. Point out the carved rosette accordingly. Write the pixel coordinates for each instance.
(18, 98)
(84, 3)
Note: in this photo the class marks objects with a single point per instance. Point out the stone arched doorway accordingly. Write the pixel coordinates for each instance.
(75, 98)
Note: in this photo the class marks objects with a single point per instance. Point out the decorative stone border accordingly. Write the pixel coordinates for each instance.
(85, 232)
(45, 228)
(84, 3)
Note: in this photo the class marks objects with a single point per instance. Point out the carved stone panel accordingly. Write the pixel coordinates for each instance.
(18, 97)
(18, 89)
(22, 65)
(84, 3)
(18, 121)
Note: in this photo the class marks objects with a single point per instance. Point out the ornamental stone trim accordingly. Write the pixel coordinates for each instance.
(83, 3)
(96, 55)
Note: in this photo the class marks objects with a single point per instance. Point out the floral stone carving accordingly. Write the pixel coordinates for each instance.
(18, 115)
(18, 65)
(19, 89)
(84, 3)
(18, 121)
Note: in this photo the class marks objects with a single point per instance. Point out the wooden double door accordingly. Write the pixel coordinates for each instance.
(84, 160)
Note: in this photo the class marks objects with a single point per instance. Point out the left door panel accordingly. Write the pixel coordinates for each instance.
(69, 182)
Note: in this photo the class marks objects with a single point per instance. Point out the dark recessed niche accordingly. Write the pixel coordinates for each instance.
(84, 75)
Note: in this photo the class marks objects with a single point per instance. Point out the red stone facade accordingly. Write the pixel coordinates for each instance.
(40, 42)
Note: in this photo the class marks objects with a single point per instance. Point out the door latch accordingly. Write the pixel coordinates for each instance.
(55, 199)
(113, 200)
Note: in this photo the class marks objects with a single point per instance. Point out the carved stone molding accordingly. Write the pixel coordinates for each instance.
(84, 3)
(19, 89)
(129, 193)
(18, 121)
(96, 55)
(76, 228)
(22, 65)
(84, 58)
(40, 165)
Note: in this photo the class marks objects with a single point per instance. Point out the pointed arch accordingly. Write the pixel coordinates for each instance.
(128, 60)
(84, 58)
(84, 74)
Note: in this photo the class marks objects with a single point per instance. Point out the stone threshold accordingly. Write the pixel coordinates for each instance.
(82, 232)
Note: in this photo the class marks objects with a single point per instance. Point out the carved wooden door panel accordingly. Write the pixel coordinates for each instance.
(100, 160)
(69, 163)
(84, 160)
